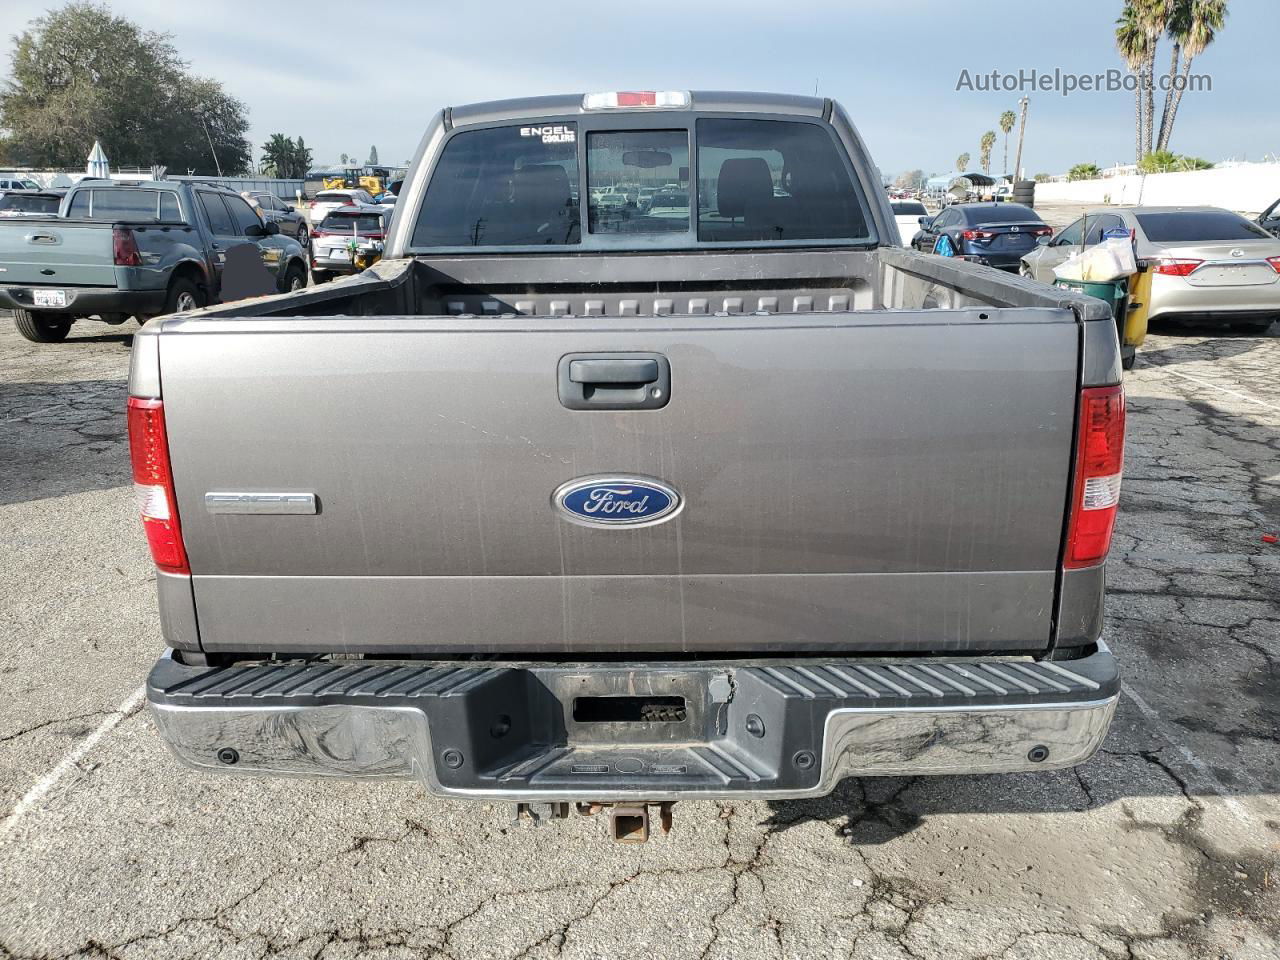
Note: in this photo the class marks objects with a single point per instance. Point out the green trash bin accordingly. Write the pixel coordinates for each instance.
(1114, 293)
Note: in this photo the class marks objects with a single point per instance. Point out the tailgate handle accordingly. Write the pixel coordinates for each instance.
(42, 238)
(613, 371)
(621, 381)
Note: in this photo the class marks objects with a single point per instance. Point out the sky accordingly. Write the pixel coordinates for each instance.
(347, 76)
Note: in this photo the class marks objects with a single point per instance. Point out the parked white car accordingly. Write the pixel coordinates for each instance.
(345, 231)
(907, 214)
(15, 183)
(327, 200)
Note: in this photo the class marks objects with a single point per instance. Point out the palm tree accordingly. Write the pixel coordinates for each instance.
(1193, 25)
(1154, 15)
(962, 161)
(985, 144)
(1134, 44)
(277, 156)
(1007, 120)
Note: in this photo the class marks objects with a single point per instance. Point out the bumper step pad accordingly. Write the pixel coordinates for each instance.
(513, 731)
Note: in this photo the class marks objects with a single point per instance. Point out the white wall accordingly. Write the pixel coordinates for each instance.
(1248, 188)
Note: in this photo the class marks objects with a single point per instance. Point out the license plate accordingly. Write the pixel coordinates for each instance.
(49, 298)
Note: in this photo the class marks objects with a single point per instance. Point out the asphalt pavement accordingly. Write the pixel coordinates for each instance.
(1165, 845)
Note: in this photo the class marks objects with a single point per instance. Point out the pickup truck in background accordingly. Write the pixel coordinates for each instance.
(117, 250)
(564, 502)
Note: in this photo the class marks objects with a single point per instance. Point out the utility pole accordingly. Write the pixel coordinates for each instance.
(215, 152)
(1022, 129)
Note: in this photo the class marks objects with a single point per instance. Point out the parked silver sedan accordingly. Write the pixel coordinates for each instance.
(1208, 265)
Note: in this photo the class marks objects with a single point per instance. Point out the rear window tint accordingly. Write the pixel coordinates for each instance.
(761, 180)
(122, 203)
(26, 203)
(365, 223)
(1001, 213)
(1193, 226)
(505, 186)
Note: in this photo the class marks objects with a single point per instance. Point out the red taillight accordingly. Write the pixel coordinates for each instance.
(1043, 231)
(125, 247)
(1174, 268)
(978, 235)
(153, 484)
(348, 202)
(1275, 263)
(1096, 486)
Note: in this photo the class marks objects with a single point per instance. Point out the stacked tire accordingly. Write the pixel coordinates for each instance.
(1024, 192)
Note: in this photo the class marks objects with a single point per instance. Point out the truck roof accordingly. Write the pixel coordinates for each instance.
(719, 101)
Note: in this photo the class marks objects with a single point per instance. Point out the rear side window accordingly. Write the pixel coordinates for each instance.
(504, 186)
(775, 180)
(169, 210)
(219, 220)
(1193, 226)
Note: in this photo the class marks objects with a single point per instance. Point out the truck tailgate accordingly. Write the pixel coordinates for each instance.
(57, 253)
(882, 481)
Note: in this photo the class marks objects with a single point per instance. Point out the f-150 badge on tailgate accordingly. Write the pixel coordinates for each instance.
(616, 501)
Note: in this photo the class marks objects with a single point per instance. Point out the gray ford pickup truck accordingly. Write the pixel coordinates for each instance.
(647, 465)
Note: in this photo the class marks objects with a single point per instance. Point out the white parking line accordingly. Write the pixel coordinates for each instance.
(1202, 768)
(1222, 389)
(72, 757)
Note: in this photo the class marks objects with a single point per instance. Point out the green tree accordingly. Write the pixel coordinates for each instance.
(1007, 120)
(1137, 46)
(373, 156)
(910, 180)
(301, 158)
(81, 73)
(1193, 25)
(1042, 178)
(1084, 171)
(283, 157)
(1164, 161)
(984, 150)
(962, 161)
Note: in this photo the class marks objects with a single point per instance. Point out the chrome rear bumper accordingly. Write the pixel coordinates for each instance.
(771, 730)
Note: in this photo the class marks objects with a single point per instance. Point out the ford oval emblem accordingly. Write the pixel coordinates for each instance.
(616, 501)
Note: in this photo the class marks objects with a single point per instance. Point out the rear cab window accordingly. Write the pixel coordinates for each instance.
(13, 203)
(125, 203)
(682, 182)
